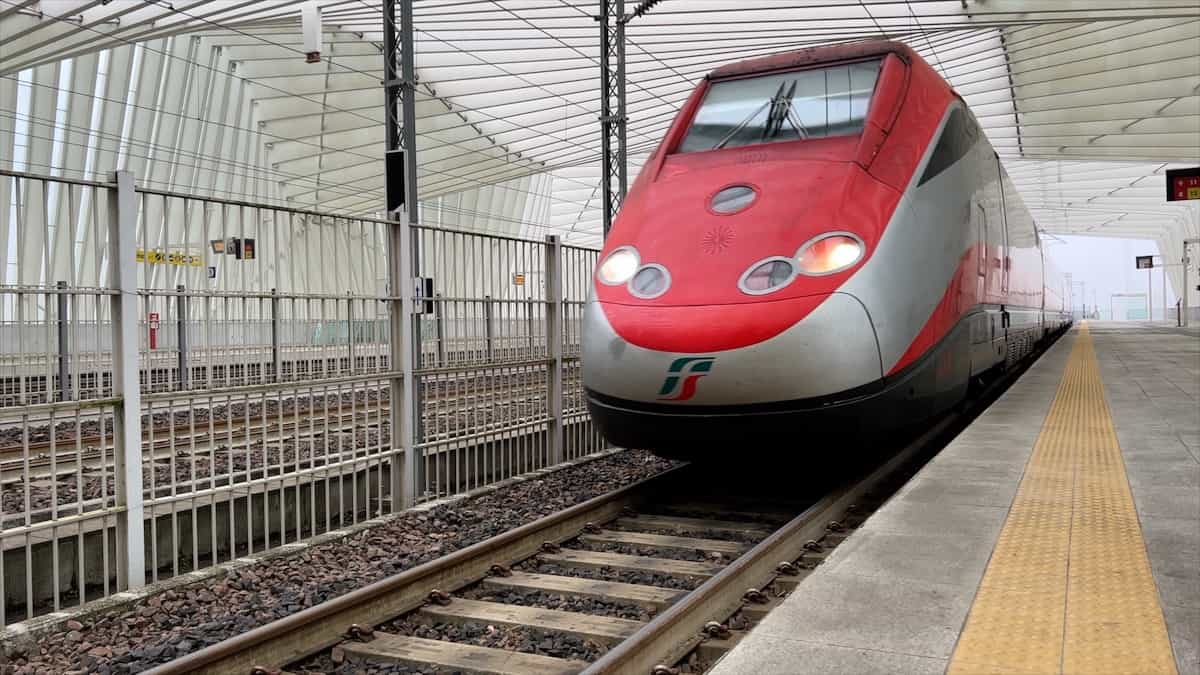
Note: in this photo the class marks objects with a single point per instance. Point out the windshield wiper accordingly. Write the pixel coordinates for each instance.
(781, 109)
(794, 119)
(741, 125)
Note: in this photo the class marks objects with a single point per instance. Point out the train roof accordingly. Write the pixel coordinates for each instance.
(815, 55)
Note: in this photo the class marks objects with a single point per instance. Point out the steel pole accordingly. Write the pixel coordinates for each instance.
(487, 327)
(1070, 296)
(400, 134)
(1183, 309)
(64, 356)
(408, 140)
(439, 327)
(1183, 305)
(276, 356)
(554, 348)
(612, 107)
(127, 422)
(350, 332)
(181, 311)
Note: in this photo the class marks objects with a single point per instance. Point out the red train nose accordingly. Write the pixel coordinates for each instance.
(692, 329)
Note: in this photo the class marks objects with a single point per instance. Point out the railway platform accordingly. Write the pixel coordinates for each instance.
(1060, 532)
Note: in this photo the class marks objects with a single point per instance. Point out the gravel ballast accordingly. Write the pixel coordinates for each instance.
(162, 627)
(559, 601)
(676, 582)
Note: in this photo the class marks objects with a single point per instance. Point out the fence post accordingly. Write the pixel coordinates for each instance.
(64, 367)
(554, 347)
(487, 325)
(276, 357)
(405, 461)
(529, 324)
(439, 325)
(127, 423)
(181, 314)
(350, 331)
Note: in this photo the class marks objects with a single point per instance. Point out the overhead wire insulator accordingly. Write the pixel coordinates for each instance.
(644, 6)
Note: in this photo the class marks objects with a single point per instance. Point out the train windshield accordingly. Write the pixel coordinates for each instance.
(790, 106)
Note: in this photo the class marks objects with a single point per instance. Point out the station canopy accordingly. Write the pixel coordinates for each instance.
(1088, 102)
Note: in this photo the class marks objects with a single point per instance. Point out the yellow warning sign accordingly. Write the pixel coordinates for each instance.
(156, 257)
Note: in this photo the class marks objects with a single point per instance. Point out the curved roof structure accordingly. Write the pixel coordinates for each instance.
(1088, 102)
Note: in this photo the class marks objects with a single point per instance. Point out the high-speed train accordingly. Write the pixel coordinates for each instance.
(824, 244)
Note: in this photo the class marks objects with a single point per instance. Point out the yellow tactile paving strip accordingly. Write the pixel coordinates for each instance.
(1068, 588)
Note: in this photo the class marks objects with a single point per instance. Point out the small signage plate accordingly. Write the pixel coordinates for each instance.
(1183, 184)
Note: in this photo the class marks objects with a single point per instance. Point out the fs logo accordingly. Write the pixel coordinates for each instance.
(682, 376)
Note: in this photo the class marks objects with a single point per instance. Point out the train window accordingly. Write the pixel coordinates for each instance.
(798, 105)
(957, 139)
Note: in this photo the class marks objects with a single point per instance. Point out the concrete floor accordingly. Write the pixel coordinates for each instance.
(893, 598)
(1152, 382)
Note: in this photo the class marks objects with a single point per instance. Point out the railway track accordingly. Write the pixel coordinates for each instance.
(669, 579)
(678, 583)
(40, 425)
(42, 459)
(201, 460)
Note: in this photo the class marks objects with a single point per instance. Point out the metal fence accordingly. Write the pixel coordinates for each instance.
(186, 380)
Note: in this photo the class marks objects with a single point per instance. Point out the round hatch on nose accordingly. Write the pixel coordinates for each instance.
(733, 199)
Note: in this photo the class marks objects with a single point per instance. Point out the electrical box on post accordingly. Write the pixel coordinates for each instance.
(393, 161)
(423, 295)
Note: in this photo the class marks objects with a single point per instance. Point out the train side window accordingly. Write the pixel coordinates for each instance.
(957, 139)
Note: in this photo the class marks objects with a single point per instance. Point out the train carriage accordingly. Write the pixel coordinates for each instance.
(823, 243)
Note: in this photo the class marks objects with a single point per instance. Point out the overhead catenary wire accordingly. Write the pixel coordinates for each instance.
(288, 94)
(666, 52)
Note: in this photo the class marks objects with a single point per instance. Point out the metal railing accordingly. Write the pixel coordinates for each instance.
(157, 417)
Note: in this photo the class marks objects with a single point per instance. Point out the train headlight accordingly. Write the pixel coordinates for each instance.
(619, 267)
(767, 276)
(650, 282)
(829, 253)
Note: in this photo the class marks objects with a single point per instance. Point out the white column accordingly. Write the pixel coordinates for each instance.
(554, 340)
(127, 434)
(405, 457)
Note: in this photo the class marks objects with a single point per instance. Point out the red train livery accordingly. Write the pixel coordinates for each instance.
(824, 242)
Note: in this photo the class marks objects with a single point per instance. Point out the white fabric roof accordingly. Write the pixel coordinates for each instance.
(1087, 101)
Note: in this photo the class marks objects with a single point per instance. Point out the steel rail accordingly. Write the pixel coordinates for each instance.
(669, 637)
(162, 432)
(322, 626)
(678, 629)
(278, 429)
(663, 641)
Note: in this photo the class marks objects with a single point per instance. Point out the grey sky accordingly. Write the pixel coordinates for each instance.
(1106, 266)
